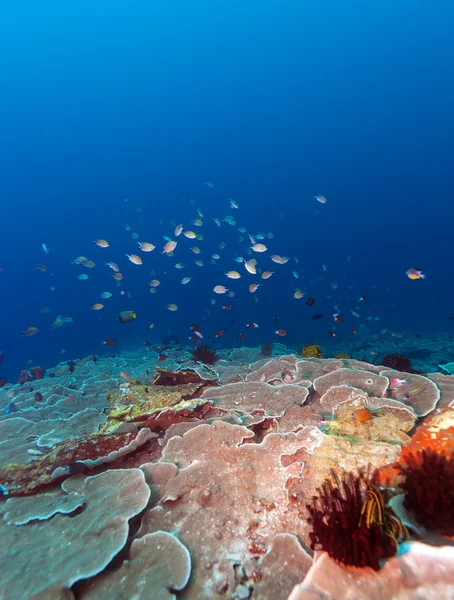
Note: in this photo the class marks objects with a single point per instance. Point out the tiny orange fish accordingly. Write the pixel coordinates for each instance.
(125, 377)
(242, 336)
(220, 333)
(363, 414)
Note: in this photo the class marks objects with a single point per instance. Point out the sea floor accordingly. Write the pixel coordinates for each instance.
(150, 475)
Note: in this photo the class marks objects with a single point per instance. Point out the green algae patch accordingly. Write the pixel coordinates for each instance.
(136, 403)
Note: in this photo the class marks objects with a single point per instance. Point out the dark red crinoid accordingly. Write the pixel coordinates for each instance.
(351, 523)
(267, 349)
(429, 489)
(204, 354)
(398, 362)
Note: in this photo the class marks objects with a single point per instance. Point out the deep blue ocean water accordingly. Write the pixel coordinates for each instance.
(107, 107)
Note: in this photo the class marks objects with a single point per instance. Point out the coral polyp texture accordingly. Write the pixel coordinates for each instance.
(221, 474)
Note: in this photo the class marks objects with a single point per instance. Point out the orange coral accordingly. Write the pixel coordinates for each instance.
(436, 434)
(311, 351)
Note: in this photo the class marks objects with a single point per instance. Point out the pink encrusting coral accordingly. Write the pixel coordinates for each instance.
(416, 391)
(227, 499)
(371, 383)
(337, 394)
(158, 565)
(136, 476)
(421, 572)
(266, 370)
(247, 397)
(445, 384)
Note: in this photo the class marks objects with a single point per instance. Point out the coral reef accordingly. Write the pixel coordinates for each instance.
(212, 493)
(216, 465)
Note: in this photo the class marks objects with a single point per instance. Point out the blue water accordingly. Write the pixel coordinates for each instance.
(107, 105)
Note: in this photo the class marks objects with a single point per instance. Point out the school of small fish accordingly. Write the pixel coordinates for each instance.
(245, 266)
